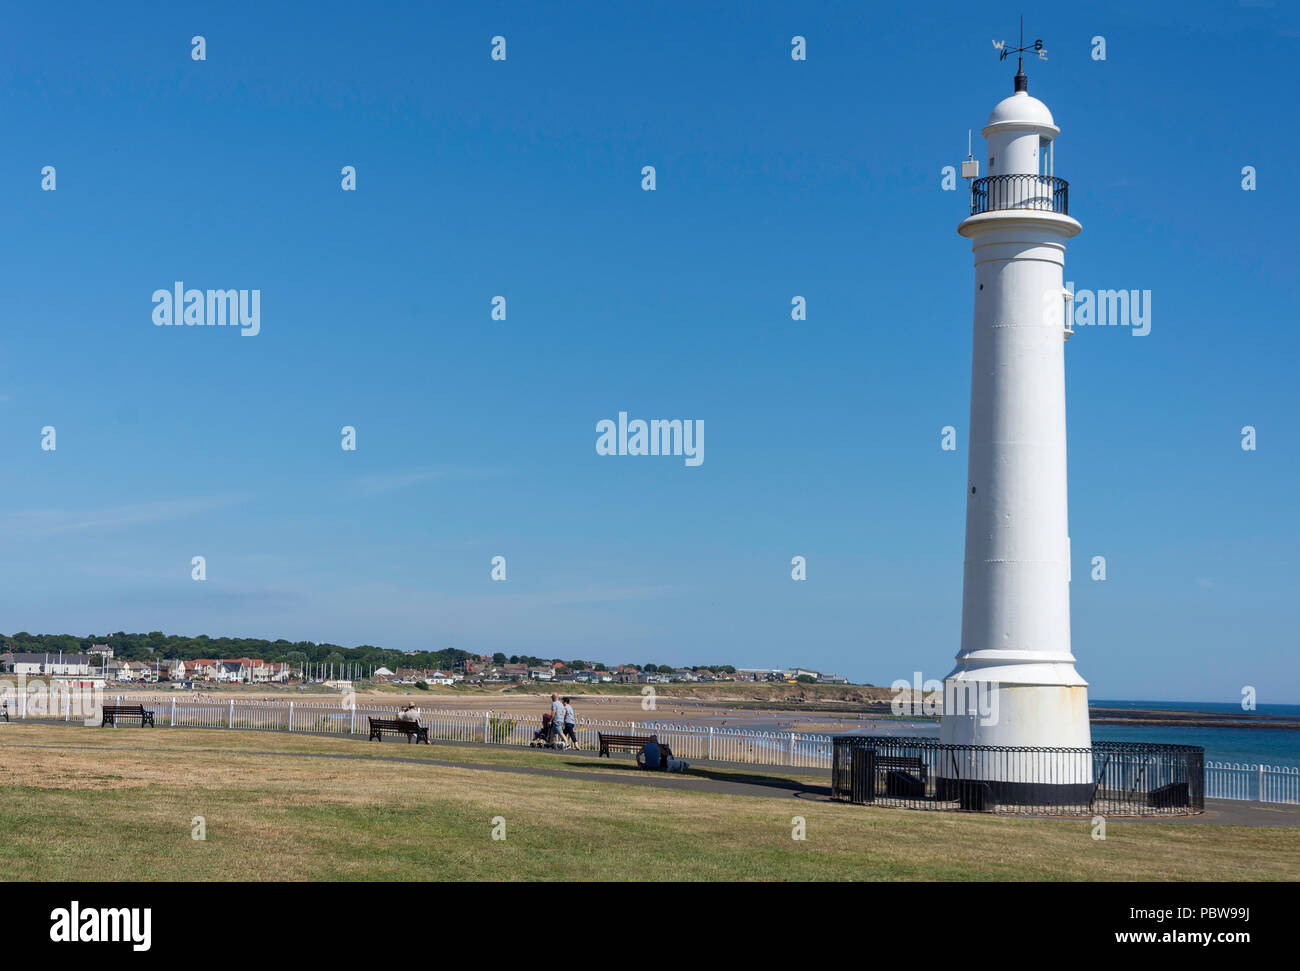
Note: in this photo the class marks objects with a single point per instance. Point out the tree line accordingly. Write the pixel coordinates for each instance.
(157, 646)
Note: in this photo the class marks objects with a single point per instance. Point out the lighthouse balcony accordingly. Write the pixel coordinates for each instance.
(1043, 193)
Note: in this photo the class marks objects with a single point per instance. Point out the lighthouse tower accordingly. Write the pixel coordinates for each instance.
(1015, 637)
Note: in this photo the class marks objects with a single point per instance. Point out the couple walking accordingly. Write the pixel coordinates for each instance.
(563, 720)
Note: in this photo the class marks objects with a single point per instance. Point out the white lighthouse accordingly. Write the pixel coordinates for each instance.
(1015, 637)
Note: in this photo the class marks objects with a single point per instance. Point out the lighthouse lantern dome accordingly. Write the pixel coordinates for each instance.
(1020, 131)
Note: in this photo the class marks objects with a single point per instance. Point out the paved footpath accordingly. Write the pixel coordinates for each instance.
(1221, 811)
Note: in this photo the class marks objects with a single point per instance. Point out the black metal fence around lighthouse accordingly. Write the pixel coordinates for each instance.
(1110, 778)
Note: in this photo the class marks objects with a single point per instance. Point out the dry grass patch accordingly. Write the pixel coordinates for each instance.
(275, 810)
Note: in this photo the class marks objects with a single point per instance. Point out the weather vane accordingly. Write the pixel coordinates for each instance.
(1004, 52)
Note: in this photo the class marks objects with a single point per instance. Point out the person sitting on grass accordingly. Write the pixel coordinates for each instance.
(655, 756)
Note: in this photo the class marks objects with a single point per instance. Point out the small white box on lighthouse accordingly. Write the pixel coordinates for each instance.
(971, 169)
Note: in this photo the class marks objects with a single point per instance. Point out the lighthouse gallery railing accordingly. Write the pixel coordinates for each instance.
(1043, 193)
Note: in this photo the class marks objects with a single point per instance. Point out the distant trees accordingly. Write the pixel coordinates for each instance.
(157, 646)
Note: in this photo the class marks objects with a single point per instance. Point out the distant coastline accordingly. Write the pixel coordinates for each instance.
(1181, 718)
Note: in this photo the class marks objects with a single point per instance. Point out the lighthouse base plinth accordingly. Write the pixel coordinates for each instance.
(988, 794)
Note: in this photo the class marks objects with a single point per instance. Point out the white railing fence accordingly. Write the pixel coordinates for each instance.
(1223, 780)
(1256, 783)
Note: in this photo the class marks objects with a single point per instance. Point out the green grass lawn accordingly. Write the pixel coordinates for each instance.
(82, 803)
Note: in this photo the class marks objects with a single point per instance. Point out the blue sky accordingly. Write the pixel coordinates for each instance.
(522, 178)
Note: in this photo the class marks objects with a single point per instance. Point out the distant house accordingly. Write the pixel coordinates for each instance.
(50, 664)
(98, 651)
(264, 672)
(130, 671)
(440, 677)
(832, 679)
(201, 669)
(381, 673)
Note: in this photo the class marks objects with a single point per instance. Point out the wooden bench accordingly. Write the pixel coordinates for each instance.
(624, 743)
(414, 731)
(114, 713)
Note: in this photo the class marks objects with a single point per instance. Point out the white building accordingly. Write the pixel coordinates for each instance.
(45, 664)
(1015, 634)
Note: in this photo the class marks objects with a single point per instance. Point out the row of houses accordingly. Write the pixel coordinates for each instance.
(250, 670)
(239, 670)
(485, 671)
(788, 674)
(415, 675)
(99, 660)
(46, 664)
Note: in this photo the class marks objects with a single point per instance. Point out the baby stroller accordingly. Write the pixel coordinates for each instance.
(542, 736)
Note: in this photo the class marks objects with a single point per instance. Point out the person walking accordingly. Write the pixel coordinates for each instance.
(570, 723)
(557, 717)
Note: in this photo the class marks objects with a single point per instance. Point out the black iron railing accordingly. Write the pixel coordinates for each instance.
(1111, 778)
(1038, 192)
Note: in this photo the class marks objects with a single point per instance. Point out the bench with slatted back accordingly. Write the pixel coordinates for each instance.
(414, 732)
(115, 713)
(623, 743)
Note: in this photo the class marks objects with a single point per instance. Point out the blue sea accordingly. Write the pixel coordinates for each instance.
(1270, 746)
(1249, 745)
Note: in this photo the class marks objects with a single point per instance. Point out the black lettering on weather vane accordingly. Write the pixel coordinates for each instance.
(1004, 52)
